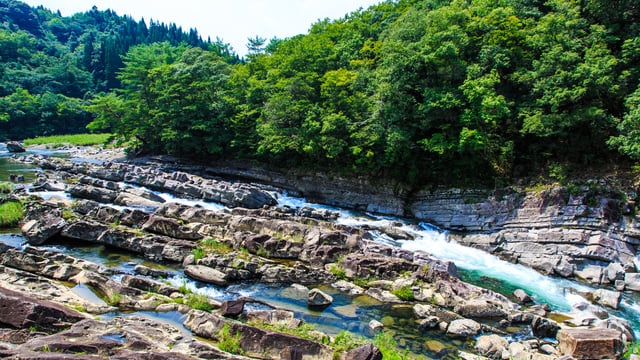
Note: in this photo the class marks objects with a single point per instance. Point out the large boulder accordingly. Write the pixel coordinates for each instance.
(318, 298)
(582, 343)
(22, 312)
(206, 274)
(127, 337)
(491, 346)
(138, 197)
(544, 328)
(232, 308)
(38, 232)
(84, 230)
(482, 309)
(170, 227)
(608, 298)
(464, 328)
(15, 147)
(90, 192)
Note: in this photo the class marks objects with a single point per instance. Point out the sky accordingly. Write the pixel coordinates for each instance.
(233, 21)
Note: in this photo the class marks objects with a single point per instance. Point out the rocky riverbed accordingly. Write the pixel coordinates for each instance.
(252, 239)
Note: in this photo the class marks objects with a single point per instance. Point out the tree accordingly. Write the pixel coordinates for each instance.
(256, 45)
(628, 139)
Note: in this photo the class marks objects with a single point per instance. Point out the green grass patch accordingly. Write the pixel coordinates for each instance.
(229, 343)
(404, 293)
(211, 245)
(198, 302)
(11, 213)
(76, 139)
(198, 253)
(338, 271)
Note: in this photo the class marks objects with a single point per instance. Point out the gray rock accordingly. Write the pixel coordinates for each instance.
(90, 192)
(607, 298)
(522, 296)
(254, 341)
(381, 295)
(206, 274)
(632, 281)
(347, 287)
(543, 327)
(170, 227)
(147, 271)
(374, 327)
(232, 308)
(429, 322)
(491, 346)
(464, 328)
(38, 232)
(15, 147)
(615, 271)
(317, 298)
(481, 309)
(22, 312)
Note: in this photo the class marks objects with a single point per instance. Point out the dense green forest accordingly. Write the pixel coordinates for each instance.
(422, 91)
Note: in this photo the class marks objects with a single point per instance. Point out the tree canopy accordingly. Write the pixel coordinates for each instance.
(425, 92)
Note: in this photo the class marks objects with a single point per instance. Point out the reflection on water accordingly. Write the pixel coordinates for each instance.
(9, 168)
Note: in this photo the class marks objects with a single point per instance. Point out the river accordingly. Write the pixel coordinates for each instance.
(354, 312)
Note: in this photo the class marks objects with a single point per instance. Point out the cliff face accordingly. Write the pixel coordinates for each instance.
(579, 234)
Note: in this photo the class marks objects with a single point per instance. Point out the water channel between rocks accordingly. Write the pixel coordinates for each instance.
(348, 312)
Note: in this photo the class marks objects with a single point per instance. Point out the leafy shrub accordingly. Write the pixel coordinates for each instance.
(404, 293)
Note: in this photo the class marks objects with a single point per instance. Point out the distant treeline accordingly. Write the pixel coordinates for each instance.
(425, 92)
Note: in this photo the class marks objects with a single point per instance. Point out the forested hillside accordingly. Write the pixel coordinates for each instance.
(51, 65)
(426, 92)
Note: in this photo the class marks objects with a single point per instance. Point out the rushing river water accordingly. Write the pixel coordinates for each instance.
(352, 312)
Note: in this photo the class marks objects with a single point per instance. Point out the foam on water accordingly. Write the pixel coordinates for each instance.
(561, 294)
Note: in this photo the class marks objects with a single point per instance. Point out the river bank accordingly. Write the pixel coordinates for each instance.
(276, 244)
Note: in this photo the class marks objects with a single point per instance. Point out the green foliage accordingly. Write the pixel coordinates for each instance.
(338, 271)
(346, 341)
(227, 342)
(426, 93)
(198, 253)
(360, 281)
(11, 213)
(389, 347)
(198, 302)
(211, 245)
(633, 348)
(114, 299)
(404, 293)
